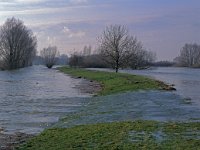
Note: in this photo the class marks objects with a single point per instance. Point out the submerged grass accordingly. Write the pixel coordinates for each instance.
(115, 82)
(119, 135)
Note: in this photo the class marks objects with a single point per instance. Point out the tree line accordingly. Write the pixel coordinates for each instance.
(117, 48)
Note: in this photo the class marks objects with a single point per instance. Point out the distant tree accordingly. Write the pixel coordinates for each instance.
(62, 60)
(49, 56)
(76, 60)
(142, 58)
(138, 55)
(17, 44)
(87, 50)
(189, 56)
(94, 61)
(163, 63)
(87, 59)
(117, 47)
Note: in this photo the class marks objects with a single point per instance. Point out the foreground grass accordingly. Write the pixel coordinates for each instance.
(115, 82)
(119, 135)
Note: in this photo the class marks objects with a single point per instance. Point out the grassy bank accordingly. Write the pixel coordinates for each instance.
(115, 82)
(119, 135)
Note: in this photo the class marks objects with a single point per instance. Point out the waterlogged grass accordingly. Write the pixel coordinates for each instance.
(133, 135)
(115, 82)
(136, 135)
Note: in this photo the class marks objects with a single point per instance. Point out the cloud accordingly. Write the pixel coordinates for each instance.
(72, 34)
(30, 1)
(78, 1)
(40, 11)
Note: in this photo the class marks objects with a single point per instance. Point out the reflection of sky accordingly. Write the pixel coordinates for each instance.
(163, 26)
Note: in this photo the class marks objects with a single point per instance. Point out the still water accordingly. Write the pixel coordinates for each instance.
(33, 98)
(185, 80)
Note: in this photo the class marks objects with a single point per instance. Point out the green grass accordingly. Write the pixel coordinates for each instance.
(146, 135)
(115, 82)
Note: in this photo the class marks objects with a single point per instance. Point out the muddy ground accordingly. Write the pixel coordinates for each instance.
(11, 141)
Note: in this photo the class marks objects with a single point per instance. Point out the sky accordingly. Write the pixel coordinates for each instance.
(163, 26)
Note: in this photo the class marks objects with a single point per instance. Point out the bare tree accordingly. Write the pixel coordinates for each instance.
(117, 46)
(86, 59)
(76, 60)
(49, 55)
(87, 50)
(17, 44)
(142, 58)
(189, 56)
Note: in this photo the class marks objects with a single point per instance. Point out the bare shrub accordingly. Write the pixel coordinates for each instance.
(49, 56)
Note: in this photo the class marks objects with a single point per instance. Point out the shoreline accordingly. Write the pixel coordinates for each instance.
(88, 86)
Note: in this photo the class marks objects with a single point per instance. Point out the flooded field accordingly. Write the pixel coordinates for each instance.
(34, 98)
(142, 105)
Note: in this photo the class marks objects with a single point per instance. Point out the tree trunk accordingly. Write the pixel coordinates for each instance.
(116, 70)
(117, 66)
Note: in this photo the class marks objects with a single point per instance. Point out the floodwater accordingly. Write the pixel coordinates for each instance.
(33, 98)
(180, 105)
(185, 80)
(141, 105)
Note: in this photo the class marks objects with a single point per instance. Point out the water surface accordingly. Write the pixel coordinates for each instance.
(32, 98)
(186, 80)
(141, 105)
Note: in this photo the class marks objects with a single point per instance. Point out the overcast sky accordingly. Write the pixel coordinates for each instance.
(163, 26)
